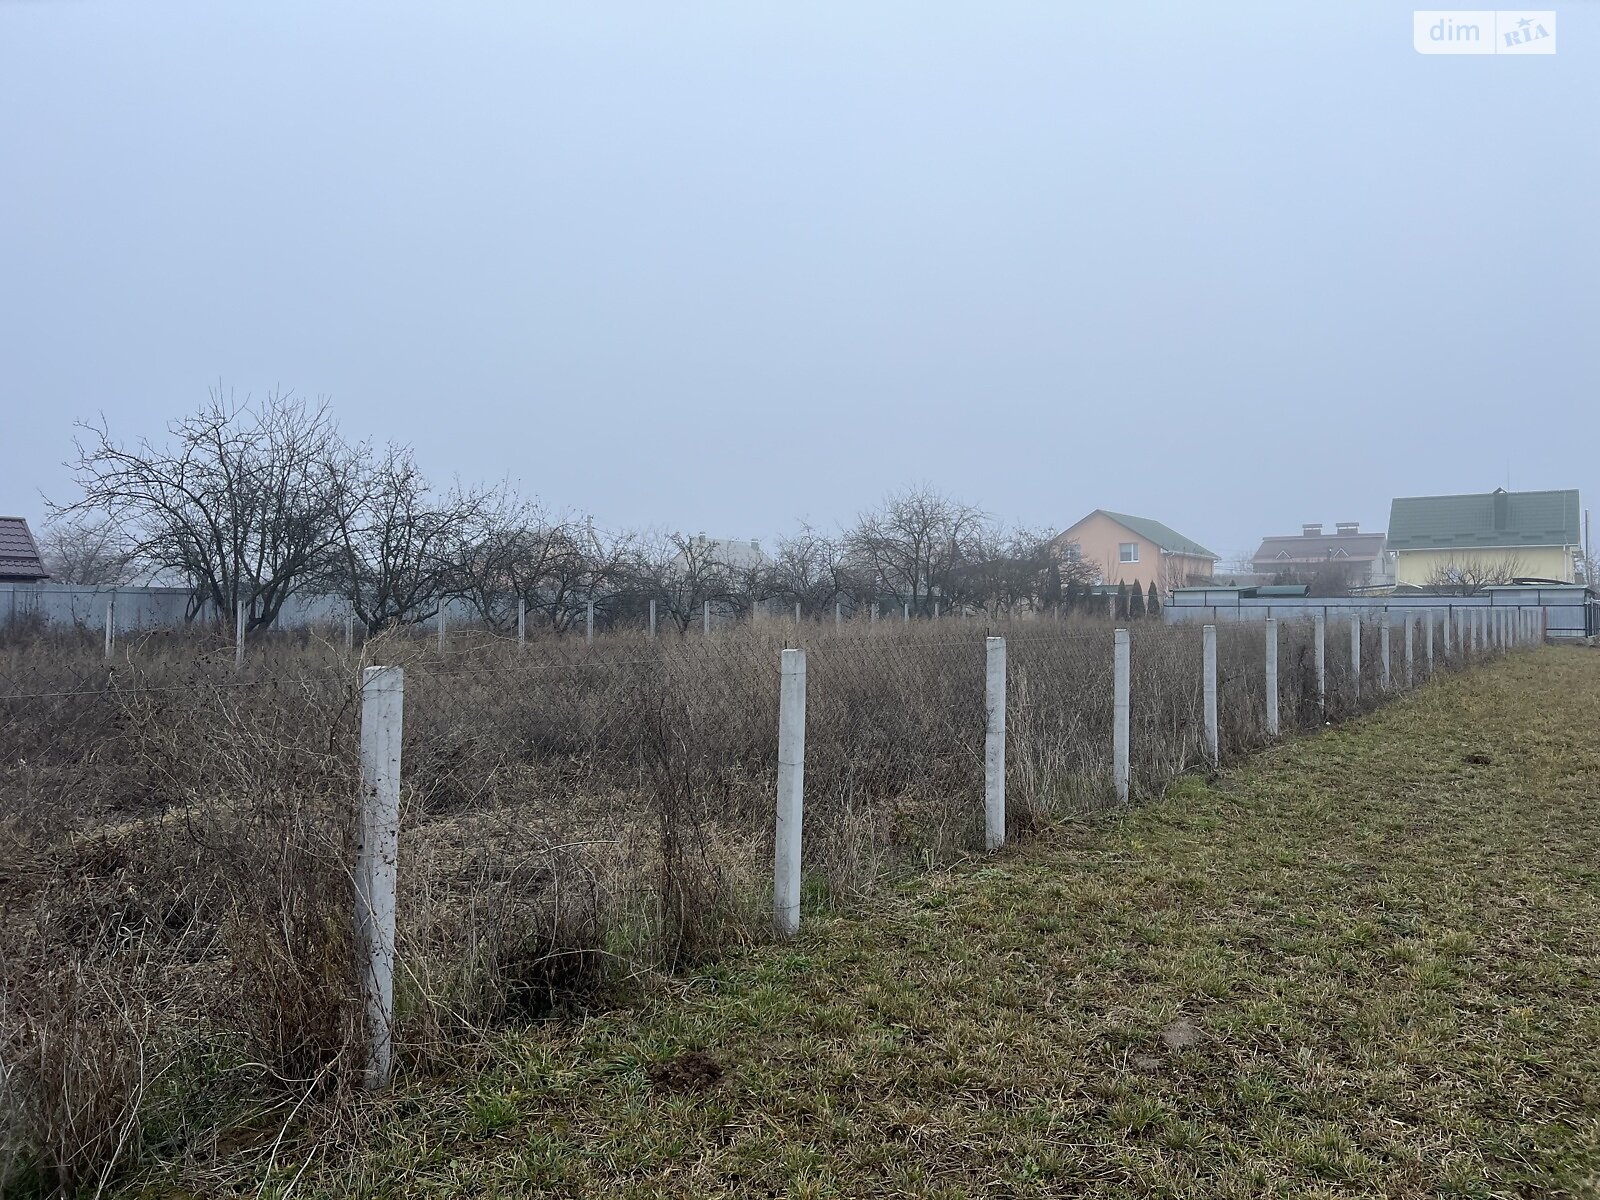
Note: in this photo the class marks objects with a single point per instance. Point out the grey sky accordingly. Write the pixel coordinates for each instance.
(726, 266)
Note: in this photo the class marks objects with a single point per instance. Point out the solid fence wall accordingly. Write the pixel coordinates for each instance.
(1574, 611)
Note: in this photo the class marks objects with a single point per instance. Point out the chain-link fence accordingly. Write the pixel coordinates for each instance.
(181, 833)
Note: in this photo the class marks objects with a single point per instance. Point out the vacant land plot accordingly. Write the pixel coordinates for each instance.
(1364, 964)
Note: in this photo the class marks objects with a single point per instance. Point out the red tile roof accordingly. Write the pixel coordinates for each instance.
(19, 554)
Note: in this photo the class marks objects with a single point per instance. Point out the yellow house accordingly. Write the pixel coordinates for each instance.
(1462, 543)
(1127, 549)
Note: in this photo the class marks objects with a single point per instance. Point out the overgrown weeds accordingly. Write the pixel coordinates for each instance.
(177, 836)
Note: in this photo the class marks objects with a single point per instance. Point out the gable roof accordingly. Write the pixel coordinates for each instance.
(19, 555)
(1320, 547)
(1167, 538)
(1497, 518)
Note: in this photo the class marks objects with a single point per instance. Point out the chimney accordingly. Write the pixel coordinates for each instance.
(1311, 530)
(1347, 527)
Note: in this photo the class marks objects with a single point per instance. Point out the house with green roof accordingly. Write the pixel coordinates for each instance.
(1128, 549)
(1485, 537)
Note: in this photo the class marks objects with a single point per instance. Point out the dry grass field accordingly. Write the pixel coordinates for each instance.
(1359, 964)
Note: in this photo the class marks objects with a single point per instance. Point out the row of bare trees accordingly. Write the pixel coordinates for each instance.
(255, 502)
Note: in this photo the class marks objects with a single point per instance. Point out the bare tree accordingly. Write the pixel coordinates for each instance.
(1471, 574)
(911, 545)
(85, 550)
(244, 500)
(813, 570)
(400, 550)
(683, 572)
(1012, 570)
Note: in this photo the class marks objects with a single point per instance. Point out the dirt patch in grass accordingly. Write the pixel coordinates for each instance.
(1363, 964)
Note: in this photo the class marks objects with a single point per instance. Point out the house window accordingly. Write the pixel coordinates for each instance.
(1129, 551)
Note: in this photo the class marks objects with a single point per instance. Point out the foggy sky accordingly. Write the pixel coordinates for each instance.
(725, 267)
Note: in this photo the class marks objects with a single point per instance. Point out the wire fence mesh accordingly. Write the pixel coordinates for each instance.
(176, 832)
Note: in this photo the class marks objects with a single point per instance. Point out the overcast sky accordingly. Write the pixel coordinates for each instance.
(724, 267)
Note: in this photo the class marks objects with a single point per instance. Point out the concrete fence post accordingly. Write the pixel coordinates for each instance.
(652, 618)
(1384, 677)
(1449, 634)
(705, 618)
(1355, 653)
(905, 614)
(791, 793)
(1411, 662)
(441, 627)
(238, 635)
(1320, 637)
(1208, 671)
(797, 612)
(1111, 605)
(935, 610)
(1427, 640)
(1121, 678)
(588, 623)
(838, 615)
(377, 856)
(1272, 676)
(994, 744)
(522, 621)
(349, 632)
(111, 624)
(872, 614)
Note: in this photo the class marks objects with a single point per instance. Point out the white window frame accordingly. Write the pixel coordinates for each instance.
(1122, 555)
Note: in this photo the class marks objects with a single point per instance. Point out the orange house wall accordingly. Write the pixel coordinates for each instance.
(1099, 540)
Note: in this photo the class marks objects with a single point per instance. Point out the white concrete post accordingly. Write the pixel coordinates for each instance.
(797, 612)
(1411, 657)
(994, 744)
(1208, 670)
(791, 793)
(905, 614)
(1111, 605)
(1119, 718)
(1472, 622)
(872, 617)
(935, 610)
(238, 635)
(1355, 652)
(1320, 637)
(652, 618)
(705, 618)
(349, 632)
(441, 627)
(588, 622)
(1383, 651)
(838, 615)
(1272, 676)
(1427, 641)
(522, 621)
(111, 624)
(377, 854)
(1449, 634)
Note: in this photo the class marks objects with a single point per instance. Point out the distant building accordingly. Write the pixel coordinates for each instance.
(19, 553)
(1484, 535)
(1128, 549)
(729, 553)
(1346, 557)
